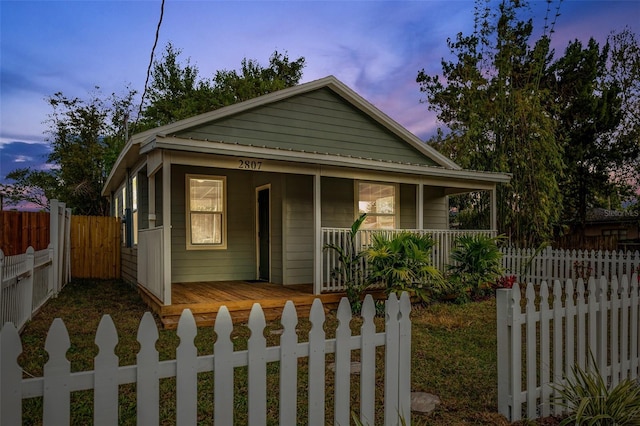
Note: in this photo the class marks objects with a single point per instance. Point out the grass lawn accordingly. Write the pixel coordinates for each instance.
(454, 356)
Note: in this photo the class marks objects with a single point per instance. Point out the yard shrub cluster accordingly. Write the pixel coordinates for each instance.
(402, 262)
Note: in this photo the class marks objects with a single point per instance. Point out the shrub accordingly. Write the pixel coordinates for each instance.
(591, 402)
(403, 263)
(349, 270)
(475, 266)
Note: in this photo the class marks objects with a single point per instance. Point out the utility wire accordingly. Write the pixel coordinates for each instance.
(153, 49)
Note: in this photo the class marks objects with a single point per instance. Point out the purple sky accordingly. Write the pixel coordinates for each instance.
(375, 47)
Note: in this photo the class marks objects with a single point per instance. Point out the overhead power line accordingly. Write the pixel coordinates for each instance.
(153, 49)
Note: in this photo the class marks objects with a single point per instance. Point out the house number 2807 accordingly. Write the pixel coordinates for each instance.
(249, 164)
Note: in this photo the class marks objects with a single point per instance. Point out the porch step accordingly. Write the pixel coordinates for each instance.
(239, 316)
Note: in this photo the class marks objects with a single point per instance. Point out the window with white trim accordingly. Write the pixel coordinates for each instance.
(134, 208)
(378, 201)
(206, 212)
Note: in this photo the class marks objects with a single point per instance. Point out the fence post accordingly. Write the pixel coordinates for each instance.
(27, 282)
(51, 288)
(54, 242)
(1, 291)
(503, 296)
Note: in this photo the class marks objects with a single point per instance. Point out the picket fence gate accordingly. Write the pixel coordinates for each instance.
(600, 318)
(534, 266)
(58, 382)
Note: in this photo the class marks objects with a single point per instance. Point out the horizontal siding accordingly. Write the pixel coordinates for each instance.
(238, 261)
(337, 202)
(129, 265)
(436, 215)
(408, 206)
(319, 121)
(298, 230)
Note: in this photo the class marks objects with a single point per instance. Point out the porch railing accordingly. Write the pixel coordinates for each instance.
(443, 239)
(150, 260)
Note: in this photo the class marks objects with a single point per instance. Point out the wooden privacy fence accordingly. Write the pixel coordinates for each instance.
(95, 247)
(21, 230)
(549, 264)
(26, 282)
(58, 382)
(540, 341)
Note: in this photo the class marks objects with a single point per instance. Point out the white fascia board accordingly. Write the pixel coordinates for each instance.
(237, 150)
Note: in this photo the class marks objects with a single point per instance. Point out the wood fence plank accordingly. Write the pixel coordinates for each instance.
(257, 368)
(342, 362)
(367, 362)
(532, 320)
(147, 374)
(515, 385)
(404, 358)
(105, 400)
(10, 375)
(288, 366)
(316, 373)
(545, 350)
(223, 368)
(392, 334)
(57, 370)
(186, 371)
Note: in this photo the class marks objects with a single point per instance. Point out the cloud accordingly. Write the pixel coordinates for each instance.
(17, 155)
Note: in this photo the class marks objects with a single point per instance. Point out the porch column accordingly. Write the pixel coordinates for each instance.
(317, 235)
(420, 206)
(166, 225)
(494, 208)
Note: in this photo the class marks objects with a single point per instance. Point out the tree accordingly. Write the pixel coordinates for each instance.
(33, 187)
(86, 137)
(494, 108)
(176, 90)
(624, 70)
(588, 113)
(230, 87)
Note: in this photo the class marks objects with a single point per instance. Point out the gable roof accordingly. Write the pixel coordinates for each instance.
(406, 148)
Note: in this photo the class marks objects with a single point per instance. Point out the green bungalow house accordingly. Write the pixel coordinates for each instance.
(251, 191)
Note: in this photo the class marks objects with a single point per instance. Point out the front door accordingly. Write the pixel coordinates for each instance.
(264, 232)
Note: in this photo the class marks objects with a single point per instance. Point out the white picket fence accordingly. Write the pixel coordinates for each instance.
(58, 382)
(540, 341)
(28, 280)
(557, 264)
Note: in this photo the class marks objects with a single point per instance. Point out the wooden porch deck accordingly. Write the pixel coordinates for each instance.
(205, 299)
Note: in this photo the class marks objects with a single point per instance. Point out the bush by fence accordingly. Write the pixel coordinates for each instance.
(58, 382)
(543, 335)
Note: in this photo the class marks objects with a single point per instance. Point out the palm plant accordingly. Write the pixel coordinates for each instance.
(475, 264)
(403, 263)
(591, 402)
(350, 269)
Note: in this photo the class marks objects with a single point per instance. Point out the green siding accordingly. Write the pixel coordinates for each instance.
(318, 121)
(407, 206)
(436, 215)
(337, 202)
(298, 230)
(238, 260)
